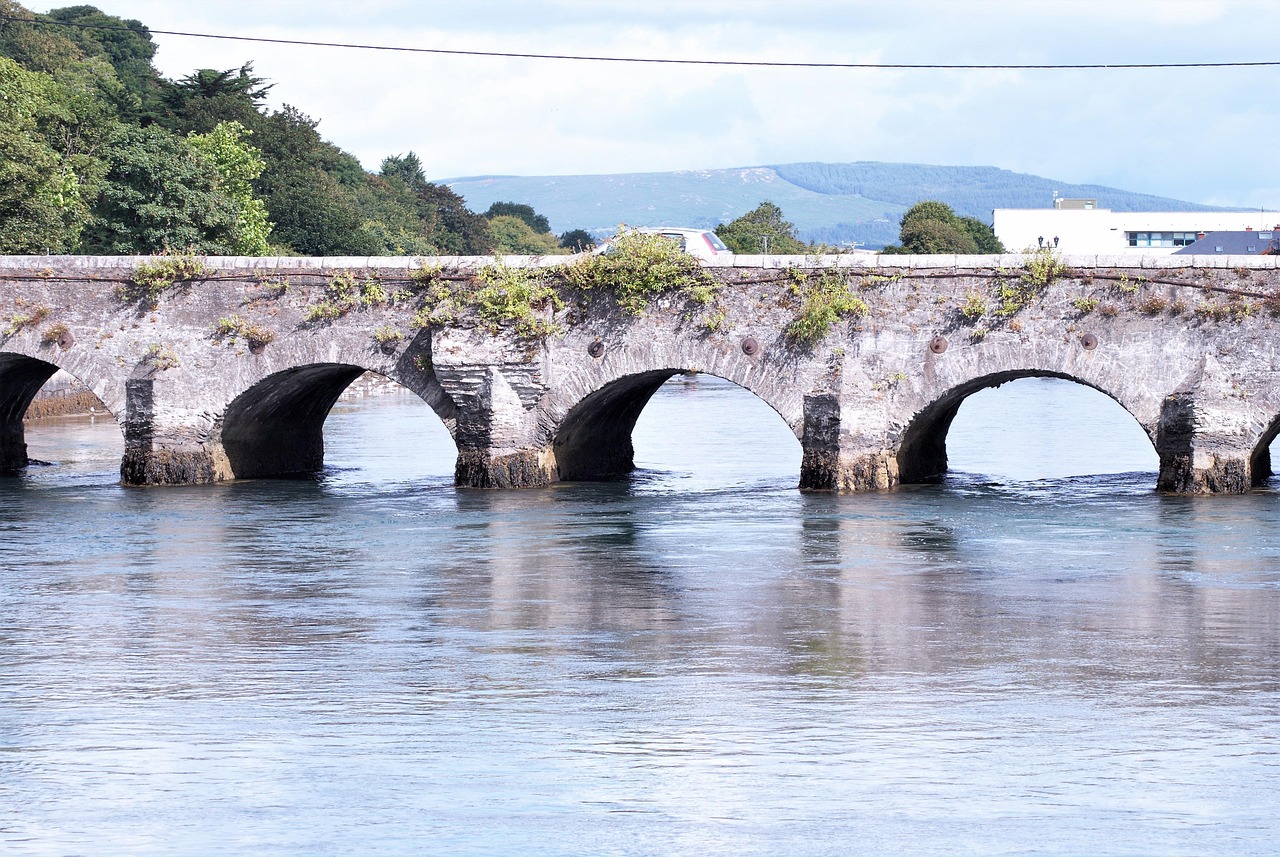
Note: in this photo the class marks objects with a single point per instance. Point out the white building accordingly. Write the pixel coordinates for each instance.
(1079, 226)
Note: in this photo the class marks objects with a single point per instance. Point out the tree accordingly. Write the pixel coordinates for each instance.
(761, 230)
(238, 164)
(930, 227)
(460, 230)
(48, 135)
(929, 236)
(535, 221)
(125, 44)
(577, 240)
(513, 235)
(207, 96)
(983, 235)
(159, 194)
(447, 222)
(406, 168)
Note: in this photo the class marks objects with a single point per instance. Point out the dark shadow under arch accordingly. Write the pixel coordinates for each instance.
(21, 377)
(593, 443)
(922, 455)
(275, 429)
(1260, 459)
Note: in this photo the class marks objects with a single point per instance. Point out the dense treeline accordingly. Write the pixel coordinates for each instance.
(100, 154)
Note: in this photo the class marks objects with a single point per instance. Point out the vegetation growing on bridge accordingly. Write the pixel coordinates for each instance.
(825, 298)
(54, 333)
(344, 293)
(521, 298)
(161, 357)
(640, 267)
(25, 317)
(154, 277)
(234, 327)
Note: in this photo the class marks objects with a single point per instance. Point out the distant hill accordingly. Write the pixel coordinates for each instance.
(829, 203)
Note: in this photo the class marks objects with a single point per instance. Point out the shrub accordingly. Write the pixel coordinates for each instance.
(1041, 268)
(824, 300)
(21, 320)
(387, 337)
(152, 278)
(53, 334)
(233, 327)
(515, 297)
(974, 305)
(1153, 305)
(161, 357)
(638, 268)
(342, 294)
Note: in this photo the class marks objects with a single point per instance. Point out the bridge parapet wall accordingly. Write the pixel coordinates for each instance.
(1186, 344)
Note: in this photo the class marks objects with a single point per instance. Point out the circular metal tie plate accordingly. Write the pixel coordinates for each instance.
(938, 344)
(750, 346)
(1088, 342)
(596, 348)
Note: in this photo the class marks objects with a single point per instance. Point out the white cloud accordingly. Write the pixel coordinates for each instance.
(1193, 134)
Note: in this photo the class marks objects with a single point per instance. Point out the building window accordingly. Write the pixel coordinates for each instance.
(1160, 239)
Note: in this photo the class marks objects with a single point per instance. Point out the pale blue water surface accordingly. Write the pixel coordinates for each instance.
(701, 660)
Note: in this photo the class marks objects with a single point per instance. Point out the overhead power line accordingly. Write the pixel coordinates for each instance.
(661, 61)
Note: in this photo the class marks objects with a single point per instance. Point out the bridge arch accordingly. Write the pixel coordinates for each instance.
(922, 452)
(275, 428)
(21, 377)
(591, 434)
(1260, 465)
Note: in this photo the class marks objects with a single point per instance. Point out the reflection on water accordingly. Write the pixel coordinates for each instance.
(699, 660)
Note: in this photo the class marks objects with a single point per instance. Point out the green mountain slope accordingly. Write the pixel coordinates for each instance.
(831, 203)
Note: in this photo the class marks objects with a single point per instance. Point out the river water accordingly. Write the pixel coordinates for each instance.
(702, 660)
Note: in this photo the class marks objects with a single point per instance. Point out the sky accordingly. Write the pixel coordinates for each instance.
(1204, 135)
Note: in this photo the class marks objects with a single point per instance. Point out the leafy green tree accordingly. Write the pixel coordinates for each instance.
(511, 234)
(208, 96)
(160, 194)
(926, 235)
(535, 221)
(124, 43)
(238, 164)
(405, 168)
(983, 235)
(34, 46)
(929, 209)
(933, 227)
(461, 230)
(315, 212)
(761, 230)
(52, 50)
(448, 223)
(35, 195)
(391, 218)
(47, 169)
(577, 240)
(73, 152)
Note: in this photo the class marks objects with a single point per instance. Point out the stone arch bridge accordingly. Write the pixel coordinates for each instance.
(230, 374)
